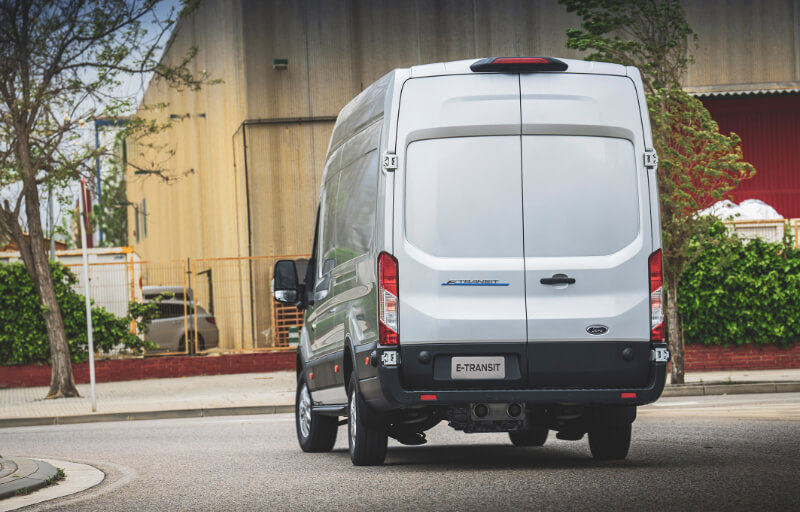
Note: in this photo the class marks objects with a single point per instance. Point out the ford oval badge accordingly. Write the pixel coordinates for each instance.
(597, 329)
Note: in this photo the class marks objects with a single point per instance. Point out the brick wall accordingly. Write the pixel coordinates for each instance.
(698, 358)
(152, 368)
(703, 358)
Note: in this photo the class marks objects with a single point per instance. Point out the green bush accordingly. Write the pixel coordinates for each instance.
(736, 292)
(23, 336)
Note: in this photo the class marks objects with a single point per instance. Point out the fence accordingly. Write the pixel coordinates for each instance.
(217, 304)
(767, 230)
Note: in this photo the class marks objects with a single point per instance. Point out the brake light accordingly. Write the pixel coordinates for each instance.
(657, 331)
(388, 326)
(519, 64)
(520, 60)
(211, 320)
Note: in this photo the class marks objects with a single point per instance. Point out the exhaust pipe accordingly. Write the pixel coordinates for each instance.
(514, 410)
(481, 410)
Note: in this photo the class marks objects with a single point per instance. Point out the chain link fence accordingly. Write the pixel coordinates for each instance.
(205, 305)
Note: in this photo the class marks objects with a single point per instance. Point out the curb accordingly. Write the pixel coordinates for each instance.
(669, 391)
(146, 415)
(26, 474)
(731, 389)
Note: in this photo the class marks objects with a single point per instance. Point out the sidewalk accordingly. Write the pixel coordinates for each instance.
(251, 393)
(264, 393)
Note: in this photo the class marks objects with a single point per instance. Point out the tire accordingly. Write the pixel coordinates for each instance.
(367, 440)
(201, 343)
(610, 442)
(534, 435)
(315, 433)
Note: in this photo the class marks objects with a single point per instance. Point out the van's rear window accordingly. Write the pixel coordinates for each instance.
(581, 195)
(463, 197)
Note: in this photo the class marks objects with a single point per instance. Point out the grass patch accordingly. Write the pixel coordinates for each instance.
(60, 475)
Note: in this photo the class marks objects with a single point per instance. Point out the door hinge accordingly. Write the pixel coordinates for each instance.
(650, 159)
(389, 161)
(660, 355)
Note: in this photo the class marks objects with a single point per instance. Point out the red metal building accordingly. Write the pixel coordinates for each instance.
(769, 126)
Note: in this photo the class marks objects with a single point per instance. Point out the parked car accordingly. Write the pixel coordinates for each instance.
(177, 292)
(169, 330)
(487, 252)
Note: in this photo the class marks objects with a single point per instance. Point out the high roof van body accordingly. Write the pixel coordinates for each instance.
(487, 253)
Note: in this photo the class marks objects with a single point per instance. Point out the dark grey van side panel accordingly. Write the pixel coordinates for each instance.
(347, 308)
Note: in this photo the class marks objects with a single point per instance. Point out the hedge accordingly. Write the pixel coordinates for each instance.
(740, 292)
(23, 336)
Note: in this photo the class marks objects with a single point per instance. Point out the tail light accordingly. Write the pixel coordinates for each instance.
(388, 326)
(211, 320)
(657, 332)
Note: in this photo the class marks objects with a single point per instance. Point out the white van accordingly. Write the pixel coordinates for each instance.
(487, 253)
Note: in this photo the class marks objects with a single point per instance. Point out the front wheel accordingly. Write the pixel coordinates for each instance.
(315, 433)
(367, 439)
(610, 442)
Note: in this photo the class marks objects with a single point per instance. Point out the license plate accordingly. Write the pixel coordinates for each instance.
(478, 367)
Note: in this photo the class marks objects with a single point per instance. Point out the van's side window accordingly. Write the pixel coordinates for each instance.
(329, 212)
(357, 198)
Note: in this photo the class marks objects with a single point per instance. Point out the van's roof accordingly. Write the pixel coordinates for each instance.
(461, 67)
(374, 101)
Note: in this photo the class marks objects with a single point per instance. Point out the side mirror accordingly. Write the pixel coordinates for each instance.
(285, 285)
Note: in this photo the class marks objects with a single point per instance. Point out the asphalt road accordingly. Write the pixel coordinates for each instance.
(689, 453)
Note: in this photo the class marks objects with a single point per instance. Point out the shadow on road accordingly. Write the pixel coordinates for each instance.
(494, 457)
(489, 457)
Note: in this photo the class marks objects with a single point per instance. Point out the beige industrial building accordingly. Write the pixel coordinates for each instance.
(245, 156)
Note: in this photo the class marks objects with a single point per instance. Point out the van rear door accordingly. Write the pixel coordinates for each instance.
(458, 227)
(587, 231)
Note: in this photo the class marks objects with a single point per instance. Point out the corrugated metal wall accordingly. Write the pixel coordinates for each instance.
(195, 214)
(336, 48)
(770, 132)
(744, 42)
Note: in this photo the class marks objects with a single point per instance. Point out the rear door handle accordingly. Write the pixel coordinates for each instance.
(558, 279)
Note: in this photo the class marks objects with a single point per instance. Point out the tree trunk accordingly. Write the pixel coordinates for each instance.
(32, 250)
(674, 332)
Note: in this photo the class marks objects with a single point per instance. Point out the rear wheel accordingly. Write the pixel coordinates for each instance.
(367, 438)
(315, 433)
(533, 435)
(610, 442)
(201, 343)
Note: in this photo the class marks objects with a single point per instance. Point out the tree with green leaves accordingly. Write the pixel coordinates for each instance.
(62, 65)
(697, 165)
(111, 215)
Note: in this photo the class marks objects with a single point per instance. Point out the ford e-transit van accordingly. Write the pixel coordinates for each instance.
(486, 253)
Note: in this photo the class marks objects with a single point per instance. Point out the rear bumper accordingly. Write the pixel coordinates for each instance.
(385, 392)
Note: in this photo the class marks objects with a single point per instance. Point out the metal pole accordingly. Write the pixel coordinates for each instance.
(52, 229)
(88, 301)
(99, 179)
